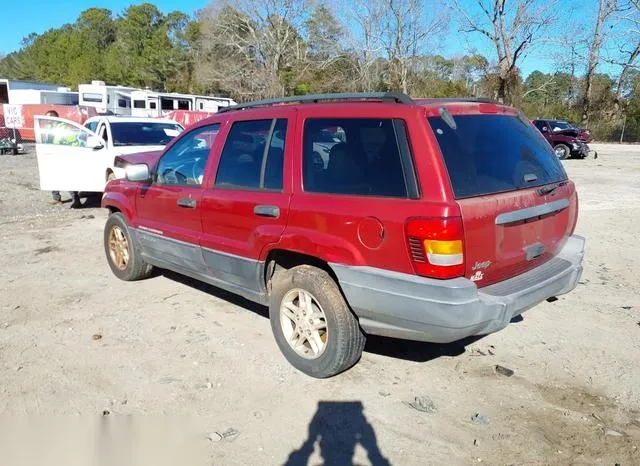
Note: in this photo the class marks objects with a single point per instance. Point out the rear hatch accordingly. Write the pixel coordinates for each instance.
(517, 205)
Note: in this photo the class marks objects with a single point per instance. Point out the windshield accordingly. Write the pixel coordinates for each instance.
(487, 154)
(560, 125)
(143, 133)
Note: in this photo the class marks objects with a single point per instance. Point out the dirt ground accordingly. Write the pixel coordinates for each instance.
(87, 360)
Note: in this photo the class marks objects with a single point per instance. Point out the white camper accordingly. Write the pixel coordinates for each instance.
(15, 92)
(157, 104)
(115, 100)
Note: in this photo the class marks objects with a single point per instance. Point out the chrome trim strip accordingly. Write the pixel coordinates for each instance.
(523, 214)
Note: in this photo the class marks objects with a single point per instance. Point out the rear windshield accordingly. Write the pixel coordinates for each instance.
(487, 154)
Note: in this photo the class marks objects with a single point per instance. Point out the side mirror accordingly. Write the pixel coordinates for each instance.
(138, 172)
(94, 142)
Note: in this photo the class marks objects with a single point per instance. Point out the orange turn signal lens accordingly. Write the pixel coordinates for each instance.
(443, 247)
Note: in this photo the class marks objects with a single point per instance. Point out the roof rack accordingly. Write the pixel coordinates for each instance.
(397, 97)
(482, 100)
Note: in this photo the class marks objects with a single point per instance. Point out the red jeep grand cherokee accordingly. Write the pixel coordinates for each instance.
(355, 214)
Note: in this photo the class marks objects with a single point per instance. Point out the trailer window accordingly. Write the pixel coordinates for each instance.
(152, 105)
(138, 104)
(4, 94)
(92, 97)
(166, 104)
(184, 104)
(122, 103)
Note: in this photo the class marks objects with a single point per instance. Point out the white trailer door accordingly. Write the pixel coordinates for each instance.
(70, 157)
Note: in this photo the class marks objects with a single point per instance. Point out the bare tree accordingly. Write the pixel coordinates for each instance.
(393, 32)
(543, 87)
(249, 44)
(407, 27)
(365, 19)
(629, 50)
(512, 26)
(606, 9)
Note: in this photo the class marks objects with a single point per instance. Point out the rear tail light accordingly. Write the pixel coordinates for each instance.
(436, 246)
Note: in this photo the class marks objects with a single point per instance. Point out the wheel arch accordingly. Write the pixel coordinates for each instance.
(285, 259)
(118, 202)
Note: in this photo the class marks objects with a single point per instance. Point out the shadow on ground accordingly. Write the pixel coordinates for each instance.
(217, 292)
(415, 351)
(338, 427)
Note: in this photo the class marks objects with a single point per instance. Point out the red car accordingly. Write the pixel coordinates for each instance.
(429, 220)
(566, 140)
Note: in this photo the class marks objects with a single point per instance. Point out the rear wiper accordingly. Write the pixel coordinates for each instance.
(549, 189)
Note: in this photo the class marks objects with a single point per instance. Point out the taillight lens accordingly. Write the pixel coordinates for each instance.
(436, 246)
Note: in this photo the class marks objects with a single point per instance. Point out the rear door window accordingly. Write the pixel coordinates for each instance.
(253, 156)
(487, 154)
(357, 156)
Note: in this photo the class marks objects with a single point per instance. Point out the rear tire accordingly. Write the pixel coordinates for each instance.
(562, 151)
(123, 257)
(338, 346)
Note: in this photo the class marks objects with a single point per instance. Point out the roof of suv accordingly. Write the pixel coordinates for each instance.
(356, 98)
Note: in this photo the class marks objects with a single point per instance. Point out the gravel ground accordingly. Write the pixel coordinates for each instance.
(168, 371)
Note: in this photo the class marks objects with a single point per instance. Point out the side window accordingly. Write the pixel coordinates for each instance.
(540, 124)
(184, 163)
(91, 126)
(359, 157)
(61, 133)
(253, 155)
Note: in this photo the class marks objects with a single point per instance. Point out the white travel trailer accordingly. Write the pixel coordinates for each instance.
(61, 96)
(156, 104)
(26, 92)
(106, 99)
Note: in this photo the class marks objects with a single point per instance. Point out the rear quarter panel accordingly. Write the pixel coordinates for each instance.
(365, 230)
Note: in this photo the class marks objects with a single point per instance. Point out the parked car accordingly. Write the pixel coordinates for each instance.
(433, 220)
(72, 157)
(566, 140)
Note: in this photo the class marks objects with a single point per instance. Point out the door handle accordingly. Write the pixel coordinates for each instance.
(187, 203)
(267, 211)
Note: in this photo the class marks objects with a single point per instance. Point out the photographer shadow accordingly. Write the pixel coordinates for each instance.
(338, 427)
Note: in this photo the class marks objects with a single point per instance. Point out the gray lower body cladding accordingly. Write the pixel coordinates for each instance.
(415, 308)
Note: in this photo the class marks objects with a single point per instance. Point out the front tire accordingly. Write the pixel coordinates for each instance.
(312, 323)
(562, 151)
(123, 257)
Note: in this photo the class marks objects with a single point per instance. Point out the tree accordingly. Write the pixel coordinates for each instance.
(254, 47)
(512, 27)
(629, 49)
(407, 27)
(606, 10)
(365, 35)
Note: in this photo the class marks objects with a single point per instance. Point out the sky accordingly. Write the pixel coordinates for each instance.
(43, 15)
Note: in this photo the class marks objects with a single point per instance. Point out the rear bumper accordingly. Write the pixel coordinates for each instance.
(415, 308)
